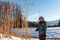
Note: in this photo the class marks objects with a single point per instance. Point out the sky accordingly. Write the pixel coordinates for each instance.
(49, 9)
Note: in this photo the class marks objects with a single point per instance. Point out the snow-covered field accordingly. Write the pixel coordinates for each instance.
(2, 37)
(51, 33)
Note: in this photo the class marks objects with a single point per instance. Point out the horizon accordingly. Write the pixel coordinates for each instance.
(45, 20)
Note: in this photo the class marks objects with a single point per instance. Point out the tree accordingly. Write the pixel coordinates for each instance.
(59, 23)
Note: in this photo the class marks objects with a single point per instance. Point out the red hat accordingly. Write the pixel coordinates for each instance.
(41, 18)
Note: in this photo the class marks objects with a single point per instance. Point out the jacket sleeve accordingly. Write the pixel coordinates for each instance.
(45, 24)
(37, 29)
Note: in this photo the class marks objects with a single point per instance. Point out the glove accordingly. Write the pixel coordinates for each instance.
(37, 29)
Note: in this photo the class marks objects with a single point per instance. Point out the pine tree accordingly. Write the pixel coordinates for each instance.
(59, 23)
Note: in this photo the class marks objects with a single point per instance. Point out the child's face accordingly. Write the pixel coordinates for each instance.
(41, 19)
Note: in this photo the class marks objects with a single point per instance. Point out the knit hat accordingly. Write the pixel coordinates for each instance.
(41, 18)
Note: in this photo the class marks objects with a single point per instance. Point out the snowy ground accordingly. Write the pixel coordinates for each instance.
(15, 38)
(51, 33)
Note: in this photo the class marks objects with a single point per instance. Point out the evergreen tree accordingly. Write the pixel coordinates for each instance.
(59, 23)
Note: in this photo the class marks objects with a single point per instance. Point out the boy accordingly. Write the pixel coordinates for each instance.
(42, 29)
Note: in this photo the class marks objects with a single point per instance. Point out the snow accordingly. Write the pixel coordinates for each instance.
(15, 38)
(51, 33)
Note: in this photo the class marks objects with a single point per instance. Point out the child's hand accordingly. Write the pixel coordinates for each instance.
(41, 33)
(37, 29)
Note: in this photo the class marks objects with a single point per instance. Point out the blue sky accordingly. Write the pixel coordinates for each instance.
(49, 9)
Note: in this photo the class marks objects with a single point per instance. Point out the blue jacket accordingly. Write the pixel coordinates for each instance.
(42, 26)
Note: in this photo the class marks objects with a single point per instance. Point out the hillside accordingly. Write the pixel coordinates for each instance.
(49, 23)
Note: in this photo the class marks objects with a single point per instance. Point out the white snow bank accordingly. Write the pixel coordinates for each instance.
(17, 38)
(2, 37)
(52, 32)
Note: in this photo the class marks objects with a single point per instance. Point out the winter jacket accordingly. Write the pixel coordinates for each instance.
(42, 26)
